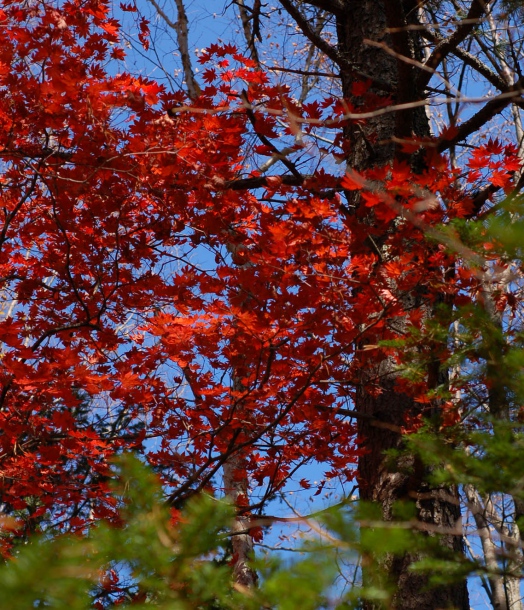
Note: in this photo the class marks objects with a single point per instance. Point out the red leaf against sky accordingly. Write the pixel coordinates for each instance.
(139, 278)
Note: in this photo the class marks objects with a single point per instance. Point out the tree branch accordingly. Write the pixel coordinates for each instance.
(329, 50)
(266, 141)
(373, 421)
(336, 7)
(447, 45)
(180, 27)
(310, 33)
(492, 108)
(468, 58)
(304, 72)
(250, 31)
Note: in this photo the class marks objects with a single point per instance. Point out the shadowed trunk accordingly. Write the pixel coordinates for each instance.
(372, 144)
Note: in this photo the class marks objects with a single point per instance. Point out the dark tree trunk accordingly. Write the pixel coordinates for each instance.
(373, 144)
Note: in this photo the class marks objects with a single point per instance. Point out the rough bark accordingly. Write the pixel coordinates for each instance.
(372, 145)
(236, 481)
(236, 489)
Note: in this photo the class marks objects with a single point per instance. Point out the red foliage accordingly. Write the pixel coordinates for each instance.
(137, 279)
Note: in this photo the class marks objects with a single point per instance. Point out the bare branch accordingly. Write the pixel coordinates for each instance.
(336, 7)
(474, 62)
(307, 84)
(251, 30)
(488, 546)
(468, 58)
(241, 184)
(446, 46)
(328, 49)
(277, 154)
(180, 27)
(310, 33)
(492, 108)
(193, 87)
(305, 72)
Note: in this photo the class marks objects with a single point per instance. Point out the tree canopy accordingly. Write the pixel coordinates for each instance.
(304, 247)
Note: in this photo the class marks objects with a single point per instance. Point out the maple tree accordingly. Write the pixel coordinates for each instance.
(162, 296)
